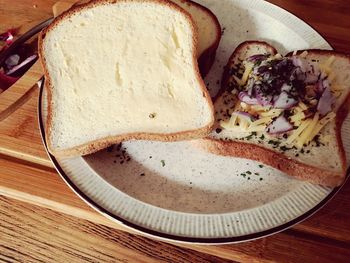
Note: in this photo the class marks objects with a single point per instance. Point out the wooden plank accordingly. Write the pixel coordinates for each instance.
(16, 13)
(34, 234)
(20, 136)
(330, 18)
(20, 92)
(329, 229)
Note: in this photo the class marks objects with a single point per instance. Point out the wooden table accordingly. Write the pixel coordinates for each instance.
(41, 219)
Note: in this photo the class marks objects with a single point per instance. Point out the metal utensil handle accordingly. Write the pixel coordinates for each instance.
(23, 38)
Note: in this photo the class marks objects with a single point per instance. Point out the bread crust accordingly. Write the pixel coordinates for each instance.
(276, 159)
(97, 145)
(207, 58)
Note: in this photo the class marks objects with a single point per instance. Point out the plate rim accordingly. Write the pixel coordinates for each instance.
(178, 238)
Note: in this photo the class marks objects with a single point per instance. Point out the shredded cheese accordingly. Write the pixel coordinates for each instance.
(329, 61)
(305, 136)
(258, 108)
(298, 117)
(245, 106)
(297, 132)
(258, 128)
(302, 106)
(248, 69)
(326, 67)
(265, 120)
(271, 113)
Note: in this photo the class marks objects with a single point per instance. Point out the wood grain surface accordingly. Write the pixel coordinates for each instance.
(328, 229)
(42, 220)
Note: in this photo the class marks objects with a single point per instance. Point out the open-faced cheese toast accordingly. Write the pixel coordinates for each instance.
(286, 112)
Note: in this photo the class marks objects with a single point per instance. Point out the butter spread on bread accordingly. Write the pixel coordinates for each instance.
(119, 70)
(284, 111)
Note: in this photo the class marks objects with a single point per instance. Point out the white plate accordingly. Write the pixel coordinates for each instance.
(174, 191)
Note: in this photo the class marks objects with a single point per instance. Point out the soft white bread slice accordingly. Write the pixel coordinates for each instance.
(207, 24)
(209, 30)
(322, 160)
(120, 70)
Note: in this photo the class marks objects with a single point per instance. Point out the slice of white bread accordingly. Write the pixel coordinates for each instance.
(207, 24)
(120, 70)
(322, 162)
(209, 30)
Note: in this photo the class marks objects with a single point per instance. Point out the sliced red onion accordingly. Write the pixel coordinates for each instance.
(244, 115)
(285, 87)
(22, 64)
(244, 97)
(301, 63)
(12, 61)
(256, 58)
(311, 78)
(322, 85)
(284, 101)
(325, 103)
(263, 99)
(280, 125)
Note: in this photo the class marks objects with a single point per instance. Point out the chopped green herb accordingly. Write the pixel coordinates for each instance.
(152, 115)
(261, 179)
(261, 166)
(249, 172)
(284, 148)
(163, 163)
(256, 173)
(262, 137)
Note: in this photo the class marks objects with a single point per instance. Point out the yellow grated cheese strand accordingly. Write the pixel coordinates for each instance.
(329, 61)
(297, 132)
(239, 81)
(305, 137)
(259, 128)
(259, 108)
(297, 117)
(271, 113)
(261, 121)
(248, 69)
(302, 106)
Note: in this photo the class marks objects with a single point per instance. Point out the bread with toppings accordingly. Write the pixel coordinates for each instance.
(286, 112)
